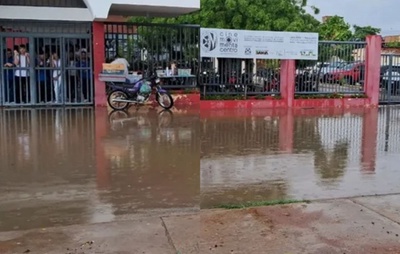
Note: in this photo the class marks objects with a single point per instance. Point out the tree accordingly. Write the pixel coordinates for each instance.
(335, 29)
(266, 15)
(361, 32)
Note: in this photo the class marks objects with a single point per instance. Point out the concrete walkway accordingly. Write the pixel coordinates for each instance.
(359, 225)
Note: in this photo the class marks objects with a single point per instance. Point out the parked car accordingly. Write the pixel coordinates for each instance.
(329, 68)
(350, 73)
(384, 68)
(390, 78)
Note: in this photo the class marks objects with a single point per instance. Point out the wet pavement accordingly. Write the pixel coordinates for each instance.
(63, 167)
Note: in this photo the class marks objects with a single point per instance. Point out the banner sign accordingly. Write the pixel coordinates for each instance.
(246, 44)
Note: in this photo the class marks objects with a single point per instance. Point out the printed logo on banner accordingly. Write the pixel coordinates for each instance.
(307, 53)
(247, 51)
(209, 41)
(228, 42)
(262, 52)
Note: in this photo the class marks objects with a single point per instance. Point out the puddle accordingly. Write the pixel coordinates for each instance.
(73, 166)
(298, 155)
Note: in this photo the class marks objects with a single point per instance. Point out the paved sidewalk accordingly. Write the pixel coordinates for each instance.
(360, 225)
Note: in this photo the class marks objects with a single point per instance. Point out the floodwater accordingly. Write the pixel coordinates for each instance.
(307, 154)
(75, 166)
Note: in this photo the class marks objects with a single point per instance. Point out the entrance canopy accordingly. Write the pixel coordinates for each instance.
(90, 10)
(153, 8)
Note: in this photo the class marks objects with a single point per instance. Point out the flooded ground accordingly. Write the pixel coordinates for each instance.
(76, 166)
(299, 155)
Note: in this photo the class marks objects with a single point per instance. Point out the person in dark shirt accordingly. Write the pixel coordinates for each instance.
(9, 76)
(84, 74)
(43, 80)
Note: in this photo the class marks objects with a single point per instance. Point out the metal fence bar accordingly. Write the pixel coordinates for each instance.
(239, 77)
(340, 69)
(390, 79)
(170, 49)
(45, 79)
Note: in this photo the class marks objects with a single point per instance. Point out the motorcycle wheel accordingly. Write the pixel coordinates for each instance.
(117, 105)
(162, 97)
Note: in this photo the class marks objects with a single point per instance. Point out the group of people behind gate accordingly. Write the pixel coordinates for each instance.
(49, 78)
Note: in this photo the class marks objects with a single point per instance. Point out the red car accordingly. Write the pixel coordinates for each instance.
(351, 73)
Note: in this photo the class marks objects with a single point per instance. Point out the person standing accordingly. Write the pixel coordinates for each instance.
(57, 79)
(22, 62)
(85, 75)
(9, 77)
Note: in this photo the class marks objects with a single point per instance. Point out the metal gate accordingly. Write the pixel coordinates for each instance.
(171, 49)
(390, 79)
(46, 64)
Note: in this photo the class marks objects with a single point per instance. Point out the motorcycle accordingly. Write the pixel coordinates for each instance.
(138, 92)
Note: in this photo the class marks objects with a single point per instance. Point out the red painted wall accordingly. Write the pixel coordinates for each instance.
(100, 98)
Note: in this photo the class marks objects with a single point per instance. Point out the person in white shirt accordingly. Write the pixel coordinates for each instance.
(22, 61)
(57, 79)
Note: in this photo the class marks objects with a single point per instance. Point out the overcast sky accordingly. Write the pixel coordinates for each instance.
(383, 14)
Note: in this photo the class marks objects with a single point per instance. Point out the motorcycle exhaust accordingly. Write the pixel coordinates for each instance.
(122, 100)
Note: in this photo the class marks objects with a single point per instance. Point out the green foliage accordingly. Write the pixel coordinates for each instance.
(286, 15)
(393, 44)
(335, 29)
(361, 32)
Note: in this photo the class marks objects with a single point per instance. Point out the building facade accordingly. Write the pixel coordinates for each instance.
(52, 50)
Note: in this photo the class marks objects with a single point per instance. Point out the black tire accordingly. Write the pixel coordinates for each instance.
(165, 94)
(118, 105)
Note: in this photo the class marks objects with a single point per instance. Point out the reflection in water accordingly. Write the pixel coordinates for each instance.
(67, 166)
(330, 156)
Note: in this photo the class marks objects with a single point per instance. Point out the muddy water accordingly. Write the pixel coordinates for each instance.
(75, 166)
(299, 155)
(72, 166)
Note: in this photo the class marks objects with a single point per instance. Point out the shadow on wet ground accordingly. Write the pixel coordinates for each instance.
(76, 166)
(304, 154)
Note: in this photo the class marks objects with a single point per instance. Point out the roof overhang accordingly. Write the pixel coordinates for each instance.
(152, 8)
(101, 9)
(45, 13)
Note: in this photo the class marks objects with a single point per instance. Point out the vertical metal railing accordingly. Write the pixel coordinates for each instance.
(170, 49)
(340, 69)
(390, 79)
(239, 78)
(60, 66)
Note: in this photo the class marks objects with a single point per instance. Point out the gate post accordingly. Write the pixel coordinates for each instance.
(287, 81)
(372, 68)
(100, 97)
